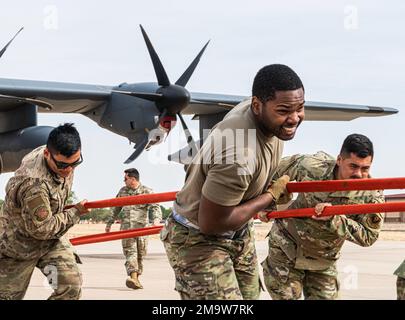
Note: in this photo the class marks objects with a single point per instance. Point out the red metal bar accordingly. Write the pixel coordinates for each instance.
(132, 200)
(305, 186)
(116, 235)
(340, 210)
(347, 185)
(293, 213)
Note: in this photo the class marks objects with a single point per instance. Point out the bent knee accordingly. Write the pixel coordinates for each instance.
(281, 283)
(68, 287)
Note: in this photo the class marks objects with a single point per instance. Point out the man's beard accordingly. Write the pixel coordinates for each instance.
(282, 132)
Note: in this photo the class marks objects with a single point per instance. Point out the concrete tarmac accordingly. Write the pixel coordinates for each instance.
(364, 273)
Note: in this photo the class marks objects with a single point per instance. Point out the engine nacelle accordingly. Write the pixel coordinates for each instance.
(14, 145)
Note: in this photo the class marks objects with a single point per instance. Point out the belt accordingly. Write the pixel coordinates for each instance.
(184, 221)
(228, 235)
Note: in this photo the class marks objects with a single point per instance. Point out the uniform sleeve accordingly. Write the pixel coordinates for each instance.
(362, 229)
(39, 222)
(226, 184)
(153, 209)
(289, 166)
(115, 212)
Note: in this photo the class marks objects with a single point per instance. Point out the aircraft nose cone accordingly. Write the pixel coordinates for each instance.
(175, 98)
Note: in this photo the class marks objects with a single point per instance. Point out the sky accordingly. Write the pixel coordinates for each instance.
(344, 51)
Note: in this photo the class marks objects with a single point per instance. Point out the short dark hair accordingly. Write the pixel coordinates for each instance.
(132, 172)
(358, 144)
(272, 78)
(64, 139)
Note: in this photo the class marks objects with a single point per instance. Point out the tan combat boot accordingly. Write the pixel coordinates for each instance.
(133, 281)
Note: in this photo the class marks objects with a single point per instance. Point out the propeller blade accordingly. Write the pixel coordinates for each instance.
(147, 96)
(139, 147)
(190, 141)
(182, 81)
(161, 75)
(39, 103)
(6, 46)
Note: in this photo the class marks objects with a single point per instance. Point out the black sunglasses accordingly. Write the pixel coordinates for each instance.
(63, 165)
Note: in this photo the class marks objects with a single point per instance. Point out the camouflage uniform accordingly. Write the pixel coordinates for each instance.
(303, 251)
(32, 225)
(400, 272)
(136, 216)
(231, 274)
(225, 265)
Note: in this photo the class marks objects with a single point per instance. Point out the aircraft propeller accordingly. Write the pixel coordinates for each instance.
(170, 100)
(39, 103)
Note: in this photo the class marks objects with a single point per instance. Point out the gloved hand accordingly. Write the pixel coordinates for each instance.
(278, 189)
(319, 210)
(285, 198)
(262, 215)
(80, 206)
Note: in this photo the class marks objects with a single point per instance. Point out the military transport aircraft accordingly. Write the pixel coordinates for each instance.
(142, 112)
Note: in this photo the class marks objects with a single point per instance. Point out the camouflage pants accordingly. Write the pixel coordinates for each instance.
(58, 265)
(209, 267)
(285, 282)
(401, 288)
(134, 250)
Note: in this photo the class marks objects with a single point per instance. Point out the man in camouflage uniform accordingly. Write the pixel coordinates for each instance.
(136, 216)
(33, 219)
(209, 237)
(400, 272)
(303, 251)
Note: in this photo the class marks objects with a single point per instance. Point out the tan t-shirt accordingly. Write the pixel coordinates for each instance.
(234, 165)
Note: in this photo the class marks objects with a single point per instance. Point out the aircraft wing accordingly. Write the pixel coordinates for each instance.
(127, 110)
(62, 97)
(81, 98)
(205, 104)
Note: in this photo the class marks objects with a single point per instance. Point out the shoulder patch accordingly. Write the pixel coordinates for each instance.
(37, 206)
(35, 202)
(41, 213)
